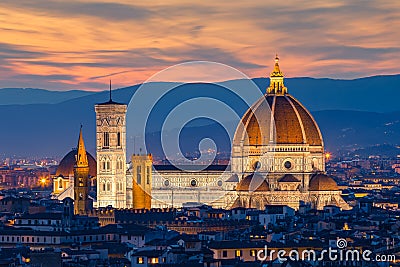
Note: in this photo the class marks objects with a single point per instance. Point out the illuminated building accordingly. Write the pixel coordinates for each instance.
(278, 158)
(111, 154)
(278, 149)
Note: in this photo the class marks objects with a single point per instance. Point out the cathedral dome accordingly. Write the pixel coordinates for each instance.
(66, 166)
(253, 182)
(322, 182)
(293, 124)
(277, 117)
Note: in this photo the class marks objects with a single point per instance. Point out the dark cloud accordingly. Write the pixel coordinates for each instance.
(338, 52)
(10, 51)
(211, 54)
(195, 30)
(50, 77)
(18, 30)
(109, 75)
(150, 57)
(66, 64)
(103, 10)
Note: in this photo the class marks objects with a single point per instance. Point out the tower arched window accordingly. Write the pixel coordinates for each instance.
(118, 139)
(148, 175)
(139, 174)
(104, 186)
(106, 139)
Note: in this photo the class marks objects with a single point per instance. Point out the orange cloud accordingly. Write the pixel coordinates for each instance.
(79, 44)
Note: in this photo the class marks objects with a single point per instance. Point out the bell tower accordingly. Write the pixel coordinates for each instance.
(81, 179)
(111, 153)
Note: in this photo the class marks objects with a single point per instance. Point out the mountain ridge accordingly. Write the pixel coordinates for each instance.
(346, 116)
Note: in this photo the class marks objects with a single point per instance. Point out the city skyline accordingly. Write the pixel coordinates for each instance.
(203, 134)
(60, 46)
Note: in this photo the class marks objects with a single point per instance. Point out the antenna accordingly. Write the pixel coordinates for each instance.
(110, 91)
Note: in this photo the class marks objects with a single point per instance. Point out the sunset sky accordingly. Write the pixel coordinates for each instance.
(63, 45)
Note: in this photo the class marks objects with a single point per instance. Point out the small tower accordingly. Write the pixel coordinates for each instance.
(141, 181)
(111, 153)
(81, 179)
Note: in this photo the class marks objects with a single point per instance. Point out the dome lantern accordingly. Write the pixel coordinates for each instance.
(276, 85)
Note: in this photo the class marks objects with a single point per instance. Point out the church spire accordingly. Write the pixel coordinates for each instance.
(276, 85)
(81, 156)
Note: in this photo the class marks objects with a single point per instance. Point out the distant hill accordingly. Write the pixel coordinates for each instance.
(45, 123)
(23, 96)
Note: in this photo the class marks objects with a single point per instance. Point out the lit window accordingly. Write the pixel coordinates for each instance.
(153, 260)
(140, 260)
(252, 253)
(238, 253)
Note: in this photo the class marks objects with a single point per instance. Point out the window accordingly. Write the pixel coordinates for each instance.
(139, 174)
(104, 186)
(252, 253)
(118, 139)
(108, 165)
(153, 260)
(119, 164)
(148, 175)
(106, 139)
(140, 260)
(108, 186)
(224, 253)
(238, 253)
